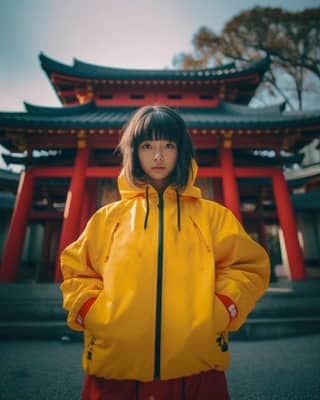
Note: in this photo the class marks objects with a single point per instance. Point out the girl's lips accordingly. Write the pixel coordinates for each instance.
(160, 168)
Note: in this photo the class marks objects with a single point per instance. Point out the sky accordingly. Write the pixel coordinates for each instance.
(121, 33)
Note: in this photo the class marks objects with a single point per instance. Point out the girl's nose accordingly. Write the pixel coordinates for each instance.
(158, 154)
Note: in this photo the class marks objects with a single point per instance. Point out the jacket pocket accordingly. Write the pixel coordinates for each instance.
(221, 316)
(97, 318)
(201, 236)
(111, 240)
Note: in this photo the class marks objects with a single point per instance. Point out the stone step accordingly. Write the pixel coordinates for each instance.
(272, 328)
(253, 329)
(33, 311)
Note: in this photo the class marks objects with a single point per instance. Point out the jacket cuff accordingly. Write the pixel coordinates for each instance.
(83, 311)
(229, 304)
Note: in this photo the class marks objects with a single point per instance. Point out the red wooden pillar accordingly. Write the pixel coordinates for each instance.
(289, 227)
(229, 182)
(72, 212)
(15, 240)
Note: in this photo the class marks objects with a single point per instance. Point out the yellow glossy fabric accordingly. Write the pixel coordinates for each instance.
(116, 260)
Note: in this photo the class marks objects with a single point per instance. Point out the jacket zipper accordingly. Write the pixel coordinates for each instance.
(159, 290)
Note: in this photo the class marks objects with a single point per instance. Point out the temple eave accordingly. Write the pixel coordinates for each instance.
(70, 150)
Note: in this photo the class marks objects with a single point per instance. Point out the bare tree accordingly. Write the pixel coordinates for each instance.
(290, 39)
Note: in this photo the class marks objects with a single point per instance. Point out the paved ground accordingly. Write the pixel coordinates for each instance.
(283, 369)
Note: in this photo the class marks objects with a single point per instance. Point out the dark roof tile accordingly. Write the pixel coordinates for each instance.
(92, 71)
(226, 115)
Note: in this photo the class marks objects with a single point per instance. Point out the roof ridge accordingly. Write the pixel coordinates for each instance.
(65, 110)
(83, 68)
(80, 65)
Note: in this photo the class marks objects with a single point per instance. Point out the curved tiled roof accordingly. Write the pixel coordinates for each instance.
(224, 116)
(91, 71)
(56, 111)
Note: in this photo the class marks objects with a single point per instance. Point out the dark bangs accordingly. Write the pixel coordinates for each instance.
(156, 123)
(157, 126)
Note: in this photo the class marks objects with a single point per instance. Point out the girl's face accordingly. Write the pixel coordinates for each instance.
(157, 160)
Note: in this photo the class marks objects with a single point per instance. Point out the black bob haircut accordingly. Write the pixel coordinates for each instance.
(156, 122)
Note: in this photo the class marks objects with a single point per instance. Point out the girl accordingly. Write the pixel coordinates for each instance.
(158, 278)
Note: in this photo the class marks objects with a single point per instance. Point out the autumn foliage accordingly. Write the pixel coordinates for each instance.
(290, 39)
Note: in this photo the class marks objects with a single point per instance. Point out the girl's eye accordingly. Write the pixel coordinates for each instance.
(170, 145)
(146, 146)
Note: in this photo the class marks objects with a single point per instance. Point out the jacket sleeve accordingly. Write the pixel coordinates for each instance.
(242, 266)
(80, 268)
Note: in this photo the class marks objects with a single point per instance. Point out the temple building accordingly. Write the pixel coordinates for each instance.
(244, 154)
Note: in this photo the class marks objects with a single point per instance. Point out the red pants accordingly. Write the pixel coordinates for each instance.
(210, 385)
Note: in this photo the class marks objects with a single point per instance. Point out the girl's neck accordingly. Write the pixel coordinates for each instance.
(160, 187)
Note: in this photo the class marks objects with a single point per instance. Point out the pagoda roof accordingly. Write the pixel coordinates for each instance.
(296, 128)
(225, 115)
(85, 70)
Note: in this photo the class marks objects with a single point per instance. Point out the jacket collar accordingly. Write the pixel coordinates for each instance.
(128, 192)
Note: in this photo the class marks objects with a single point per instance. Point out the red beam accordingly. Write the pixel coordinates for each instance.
(209, 172)
(103, 172)
(57, 172)
(256, 172)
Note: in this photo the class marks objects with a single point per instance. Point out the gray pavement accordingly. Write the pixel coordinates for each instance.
(281, 369)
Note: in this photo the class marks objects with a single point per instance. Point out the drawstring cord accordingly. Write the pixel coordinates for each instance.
(147, 210)
(145, 225)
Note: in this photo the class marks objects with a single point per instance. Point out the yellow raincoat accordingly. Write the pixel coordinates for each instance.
(154, 263)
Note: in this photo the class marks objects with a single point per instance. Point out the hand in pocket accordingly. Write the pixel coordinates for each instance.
(97, 318)
(222, 318)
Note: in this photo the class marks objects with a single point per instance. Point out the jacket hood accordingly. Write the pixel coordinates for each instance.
(128, 192)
